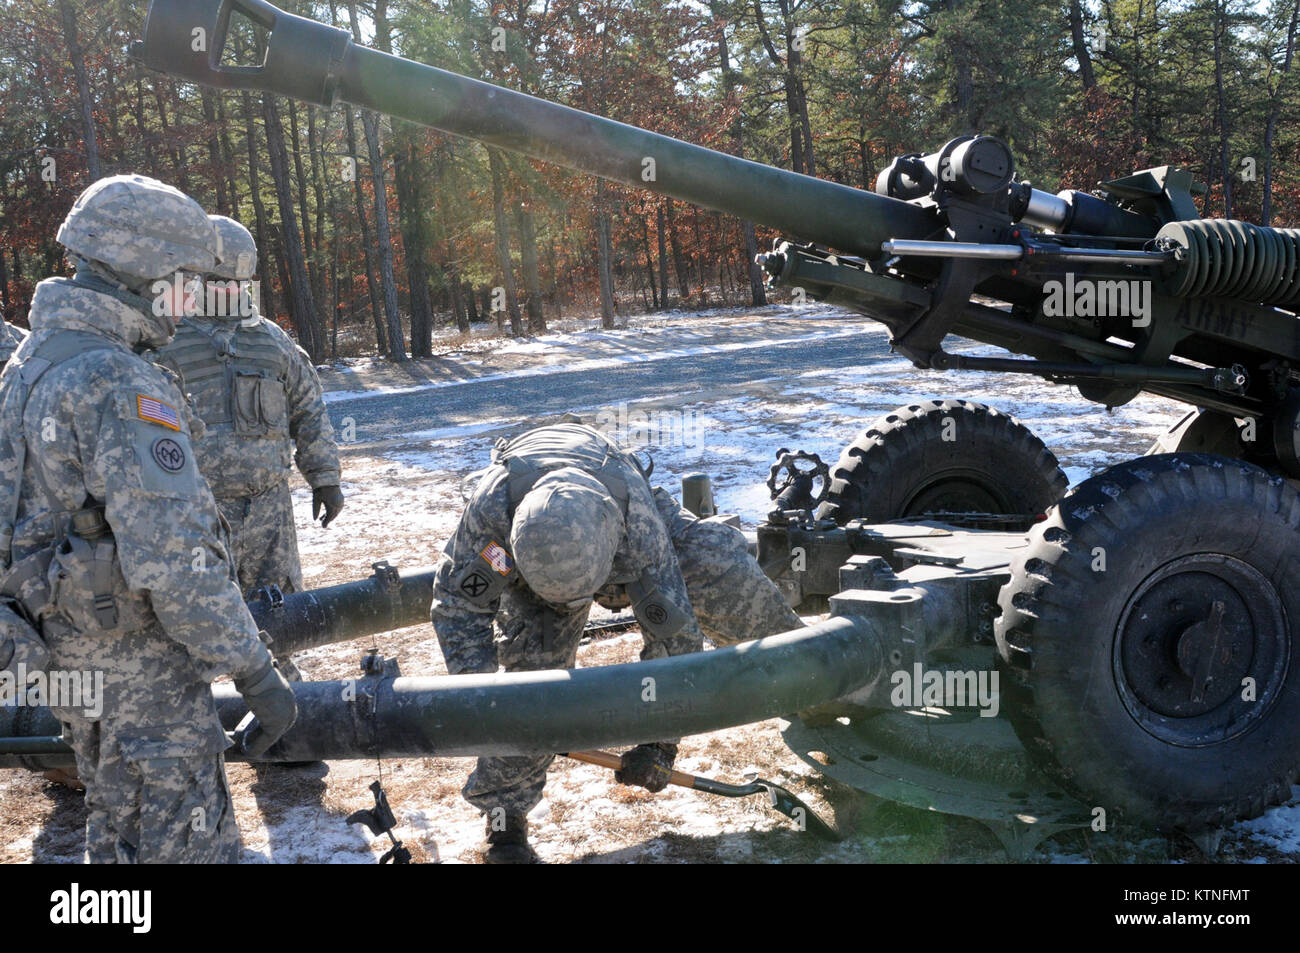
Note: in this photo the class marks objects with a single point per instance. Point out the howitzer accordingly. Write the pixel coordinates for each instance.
(1142, 627)
(1166, 302)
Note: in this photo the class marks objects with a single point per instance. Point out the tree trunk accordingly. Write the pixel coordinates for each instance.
(458, 301)
(649, 264)
(1221, 106)
(532, 276)
(383, 236)
(69, 17)
(4, 288)
(471, 306)
(504, 264)
(605, 254)
(262, 232)
(1081, 54)
(309, 242)
(679, 260)
(318, 190)
(698, 256)
(334, 283)
(227, 155)
(604, 259)
(141, 124)
(180, 168)
(1274, 111)
(661, 229)
(214, 150)
(796, 96)
(801, 108)
(279, 257)
(410, 206)
(383, 231)
(372, 286)
(302, 312)
(757, 291)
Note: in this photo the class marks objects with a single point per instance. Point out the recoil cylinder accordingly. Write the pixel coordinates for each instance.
(1223, 258)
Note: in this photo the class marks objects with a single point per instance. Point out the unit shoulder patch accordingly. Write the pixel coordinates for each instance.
(168, 454)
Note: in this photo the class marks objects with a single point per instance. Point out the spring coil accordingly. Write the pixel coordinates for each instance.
(1230, 259)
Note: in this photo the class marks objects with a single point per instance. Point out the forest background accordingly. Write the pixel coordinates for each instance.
(375, 233)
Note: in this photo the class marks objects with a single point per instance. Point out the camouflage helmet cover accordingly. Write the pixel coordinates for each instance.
(238, 250)
(139, 227)
(565, 533)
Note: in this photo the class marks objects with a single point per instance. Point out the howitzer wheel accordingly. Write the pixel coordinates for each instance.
(1145, 641)
(944, 457)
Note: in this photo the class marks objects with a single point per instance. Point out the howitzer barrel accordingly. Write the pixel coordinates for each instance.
(382, 602)
(528, 713)
(321, 64)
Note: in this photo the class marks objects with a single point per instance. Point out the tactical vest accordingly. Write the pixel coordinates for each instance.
(84, 539)
(236, 376)
(532, 455)
(57, 348)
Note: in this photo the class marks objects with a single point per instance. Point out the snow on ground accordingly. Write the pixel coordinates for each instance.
(404, 497)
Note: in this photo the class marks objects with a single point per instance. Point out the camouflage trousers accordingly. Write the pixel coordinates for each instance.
(733, 601)
(264, 540)
(149, 750)
(264, 548)
(531, 636)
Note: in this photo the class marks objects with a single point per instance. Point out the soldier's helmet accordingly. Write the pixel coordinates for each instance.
(565, 533)
(140, 229)
(238, 250)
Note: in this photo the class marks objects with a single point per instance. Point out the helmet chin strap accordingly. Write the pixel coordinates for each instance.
(130, 290)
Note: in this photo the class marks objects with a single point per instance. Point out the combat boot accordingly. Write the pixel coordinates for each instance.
(510, 844)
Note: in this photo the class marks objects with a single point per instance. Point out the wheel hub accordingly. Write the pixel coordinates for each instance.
(955, 491)
(1201, 649)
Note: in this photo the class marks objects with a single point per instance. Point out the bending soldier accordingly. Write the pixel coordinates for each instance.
(10, 338)
(561, 518)
(259, 397)
(100, 495)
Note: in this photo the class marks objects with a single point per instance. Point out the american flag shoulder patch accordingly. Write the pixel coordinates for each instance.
(498, 558)
(157, 411)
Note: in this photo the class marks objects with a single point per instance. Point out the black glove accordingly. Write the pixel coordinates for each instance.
(330, 497)
(270, 700)
(648, 766)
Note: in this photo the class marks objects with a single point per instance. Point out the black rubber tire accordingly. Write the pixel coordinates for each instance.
(1071, 684)
(903, 467)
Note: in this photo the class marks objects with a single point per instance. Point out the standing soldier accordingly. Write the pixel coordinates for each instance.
(10, 338)
(259, 397)
(100, 495)
(562, 518)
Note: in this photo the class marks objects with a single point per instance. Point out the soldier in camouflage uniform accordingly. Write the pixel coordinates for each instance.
(561, 518)
(110, 541)
(258, 395)
(10, 338)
